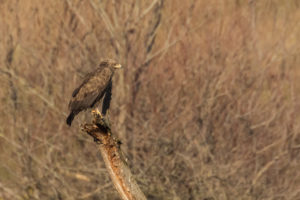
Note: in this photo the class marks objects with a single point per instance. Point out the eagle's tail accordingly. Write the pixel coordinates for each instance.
(70, 118)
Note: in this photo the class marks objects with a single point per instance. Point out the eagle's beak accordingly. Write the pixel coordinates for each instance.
(118, 66)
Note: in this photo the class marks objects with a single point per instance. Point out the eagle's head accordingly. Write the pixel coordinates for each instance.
(110, 63)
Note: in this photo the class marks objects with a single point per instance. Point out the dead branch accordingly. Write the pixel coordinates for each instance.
(114, 160)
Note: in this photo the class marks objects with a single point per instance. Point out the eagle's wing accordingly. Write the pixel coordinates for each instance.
(86, 79)
(91, 90)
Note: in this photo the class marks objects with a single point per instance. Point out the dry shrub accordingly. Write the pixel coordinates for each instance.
(206, 107)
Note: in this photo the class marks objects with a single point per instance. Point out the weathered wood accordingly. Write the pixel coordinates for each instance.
(115, 163)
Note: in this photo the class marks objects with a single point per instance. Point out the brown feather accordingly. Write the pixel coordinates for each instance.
(92, 89)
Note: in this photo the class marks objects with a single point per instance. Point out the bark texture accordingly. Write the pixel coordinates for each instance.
(114, 160)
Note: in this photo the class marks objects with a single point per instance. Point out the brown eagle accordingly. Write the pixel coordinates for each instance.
(94, 86)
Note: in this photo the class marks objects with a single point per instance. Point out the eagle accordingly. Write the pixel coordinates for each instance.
(95, 85)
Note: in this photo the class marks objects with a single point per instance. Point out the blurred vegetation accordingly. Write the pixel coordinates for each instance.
(207, 106)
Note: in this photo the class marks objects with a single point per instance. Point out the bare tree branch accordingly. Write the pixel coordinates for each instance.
(114, 160)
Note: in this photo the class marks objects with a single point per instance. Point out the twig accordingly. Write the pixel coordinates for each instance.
(114, 160)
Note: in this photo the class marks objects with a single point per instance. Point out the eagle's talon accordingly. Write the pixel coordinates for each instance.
(97, 113)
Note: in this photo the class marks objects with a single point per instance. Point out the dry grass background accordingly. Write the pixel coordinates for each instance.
(207, 106)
